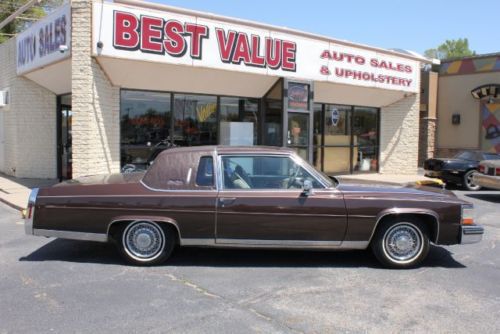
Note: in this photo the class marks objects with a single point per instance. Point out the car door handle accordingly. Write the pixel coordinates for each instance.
(226, 200)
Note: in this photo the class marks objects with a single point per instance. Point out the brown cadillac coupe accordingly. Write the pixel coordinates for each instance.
(248, 197)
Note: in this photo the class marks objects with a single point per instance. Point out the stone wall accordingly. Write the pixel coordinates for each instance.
(95, 103)
(399, 133)
(29, 123)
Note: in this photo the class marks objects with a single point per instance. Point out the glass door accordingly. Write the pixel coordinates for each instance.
(64, 140)
(299, 117)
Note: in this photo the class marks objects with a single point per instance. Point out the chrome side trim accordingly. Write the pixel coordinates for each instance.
(275, 244)
(471, 234)
(399, 211)
(71, 235)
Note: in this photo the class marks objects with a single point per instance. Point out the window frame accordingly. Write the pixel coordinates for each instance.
(313, 172)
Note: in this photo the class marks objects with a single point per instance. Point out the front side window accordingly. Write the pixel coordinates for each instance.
(264, 173)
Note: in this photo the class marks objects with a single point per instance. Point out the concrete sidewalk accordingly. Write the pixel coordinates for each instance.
(15, 191)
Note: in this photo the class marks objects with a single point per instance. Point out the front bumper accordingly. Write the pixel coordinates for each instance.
(445, 175)
(487, 181)
(471, 234)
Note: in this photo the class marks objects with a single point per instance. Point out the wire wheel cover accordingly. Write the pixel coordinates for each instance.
(403, 242)
(144, 240)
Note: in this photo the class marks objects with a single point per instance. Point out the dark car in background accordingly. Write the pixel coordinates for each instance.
(460, 169)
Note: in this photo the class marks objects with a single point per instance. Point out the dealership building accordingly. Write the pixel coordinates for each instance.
(99, 85)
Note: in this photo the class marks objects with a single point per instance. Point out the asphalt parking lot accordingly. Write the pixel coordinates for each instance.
(61, 286)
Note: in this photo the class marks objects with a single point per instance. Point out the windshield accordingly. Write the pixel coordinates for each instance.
(465, 155)
(491, 156)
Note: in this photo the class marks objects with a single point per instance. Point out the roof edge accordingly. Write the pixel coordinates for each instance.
(179, 10)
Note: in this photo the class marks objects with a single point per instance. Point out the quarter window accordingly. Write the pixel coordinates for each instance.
(264, 172)
(205, 174)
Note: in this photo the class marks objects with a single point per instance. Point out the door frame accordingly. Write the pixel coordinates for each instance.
(59, 148)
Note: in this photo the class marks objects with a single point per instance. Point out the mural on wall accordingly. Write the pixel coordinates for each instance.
(490, 130)
(469, 66)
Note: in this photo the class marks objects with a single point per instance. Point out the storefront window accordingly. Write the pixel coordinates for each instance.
(273, 117)
(195, 120)
(346, 139)
(365, 133)
(145, 123)
(239, 120)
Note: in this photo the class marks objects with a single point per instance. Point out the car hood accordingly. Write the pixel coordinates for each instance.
(411, 190)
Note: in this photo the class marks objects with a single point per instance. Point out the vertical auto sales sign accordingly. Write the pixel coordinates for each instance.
(45, 42)
(173, 38)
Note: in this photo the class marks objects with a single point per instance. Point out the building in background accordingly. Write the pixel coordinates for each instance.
(469, 105)
(98, 85)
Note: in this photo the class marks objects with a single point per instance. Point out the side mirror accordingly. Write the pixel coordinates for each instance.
(307, 188)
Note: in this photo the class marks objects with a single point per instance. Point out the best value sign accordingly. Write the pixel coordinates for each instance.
(40, 45)
(173, 38)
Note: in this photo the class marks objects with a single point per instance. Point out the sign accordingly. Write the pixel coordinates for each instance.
(334, 116)
(45, 42)
(298, 96)
(164, 37)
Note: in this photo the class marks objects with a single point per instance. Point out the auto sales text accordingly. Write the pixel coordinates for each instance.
(363, 74)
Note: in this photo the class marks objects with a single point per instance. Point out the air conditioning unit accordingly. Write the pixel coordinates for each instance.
(4, 98)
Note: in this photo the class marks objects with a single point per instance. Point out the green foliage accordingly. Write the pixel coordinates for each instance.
(7, 7)
(453, 48)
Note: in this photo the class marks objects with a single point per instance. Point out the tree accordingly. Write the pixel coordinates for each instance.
(7, 7)
(451, 48)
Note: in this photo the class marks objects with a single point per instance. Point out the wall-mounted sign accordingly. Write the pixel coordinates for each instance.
(335, 116)
(298, 96)
(45, 42)
(165, 37)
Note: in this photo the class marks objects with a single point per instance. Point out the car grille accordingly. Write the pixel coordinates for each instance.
(433, 165)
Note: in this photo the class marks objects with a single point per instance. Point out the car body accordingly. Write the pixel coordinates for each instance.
(488, 175)
(460, 169)
(248, 197)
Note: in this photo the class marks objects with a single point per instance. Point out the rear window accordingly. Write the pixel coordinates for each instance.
(205, 174)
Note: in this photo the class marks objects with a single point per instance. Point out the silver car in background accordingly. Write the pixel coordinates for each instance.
(488, 175)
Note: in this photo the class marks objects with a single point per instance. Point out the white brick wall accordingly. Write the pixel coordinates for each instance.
(399, 126)
(95, 103)
(29, 124)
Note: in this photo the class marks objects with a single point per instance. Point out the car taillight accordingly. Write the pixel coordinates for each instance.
(467, 215)
(481, 169)
(497, 171)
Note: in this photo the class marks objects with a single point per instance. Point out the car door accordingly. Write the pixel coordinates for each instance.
(261, 202)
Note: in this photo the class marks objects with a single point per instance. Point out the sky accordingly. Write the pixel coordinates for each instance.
(405, 24)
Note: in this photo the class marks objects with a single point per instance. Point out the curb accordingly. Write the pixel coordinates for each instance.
(12, 205)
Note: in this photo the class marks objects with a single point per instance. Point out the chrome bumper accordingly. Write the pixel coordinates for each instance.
(30, 212)
(471, 234)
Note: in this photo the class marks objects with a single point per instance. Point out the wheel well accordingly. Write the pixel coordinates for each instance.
(115, 228)
(427, 219)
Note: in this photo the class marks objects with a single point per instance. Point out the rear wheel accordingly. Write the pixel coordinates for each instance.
(468, 182)
(146, 243)
(401, 243)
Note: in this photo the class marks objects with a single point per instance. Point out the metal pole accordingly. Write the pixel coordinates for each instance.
(19, 11)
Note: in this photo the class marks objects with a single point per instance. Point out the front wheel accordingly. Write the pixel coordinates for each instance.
(146, 242)
(468, 182)
(401, 243)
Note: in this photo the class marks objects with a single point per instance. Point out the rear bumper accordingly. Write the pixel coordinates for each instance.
(487, 181)
(471, 234)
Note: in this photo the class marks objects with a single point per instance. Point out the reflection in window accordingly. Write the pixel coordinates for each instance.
(195, 120)
(144, 123)
(238, 121)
